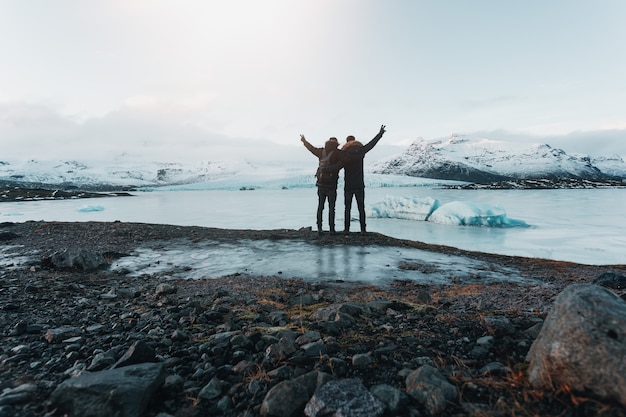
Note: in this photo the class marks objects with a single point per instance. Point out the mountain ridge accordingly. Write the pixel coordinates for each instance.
(478, 160)
(457, 158)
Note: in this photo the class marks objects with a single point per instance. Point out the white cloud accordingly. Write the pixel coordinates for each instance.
(150, 129)
(153, 71)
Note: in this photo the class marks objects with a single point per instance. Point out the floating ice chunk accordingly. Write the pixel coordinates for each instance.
(89, 208)
(407, 207)
(473, 214)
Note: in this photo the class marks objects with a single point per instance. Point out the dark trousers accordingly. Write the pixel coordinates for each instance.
(359, 195)
(324, 193)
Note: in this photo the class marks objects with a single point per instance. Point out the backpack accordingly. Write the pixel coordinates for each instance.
(322, 174)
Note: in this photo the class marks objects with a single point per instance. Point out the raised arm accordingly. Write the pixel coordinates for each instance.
(315, 151)
(368, 147)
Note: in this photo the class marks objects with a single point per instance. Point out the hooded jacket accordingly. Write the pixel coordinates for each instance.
(352, 154)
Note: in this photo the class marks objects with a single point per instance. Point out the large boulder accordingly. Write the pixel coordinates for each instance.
(582, 344)
(121, 392)
(76, 259)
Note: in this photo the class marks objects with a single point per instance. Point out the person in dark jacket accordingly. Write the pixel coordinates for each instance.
(352, 154)
(327, 176)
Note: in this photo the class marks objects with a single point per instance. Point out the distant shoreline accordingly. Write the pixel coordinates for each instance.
(17, 191)
(11, 194)
(543, 184)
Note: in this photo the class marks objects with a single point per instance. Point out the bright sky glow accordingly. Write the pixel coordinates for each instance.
(112, 75)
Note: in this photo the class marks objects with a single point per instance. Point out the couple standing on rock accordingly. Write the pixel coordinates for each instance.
(331, 160)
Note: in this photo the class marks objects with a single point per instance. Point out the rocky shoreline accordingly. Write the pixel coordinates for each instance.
(79, 339)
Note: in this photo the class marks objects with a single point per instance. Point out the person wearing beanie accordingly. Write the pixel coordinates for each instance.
(352, 155)
(327, 175)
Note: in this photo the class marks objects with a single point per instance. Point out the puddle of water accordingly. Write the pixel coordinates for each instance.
(367, 264)
(363, 264)
(10, 259)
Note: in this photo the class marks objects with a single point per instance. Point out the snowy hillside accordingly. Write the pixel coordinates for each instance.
(457, 159)
(121, 172)
(483, 160)
(130, 173)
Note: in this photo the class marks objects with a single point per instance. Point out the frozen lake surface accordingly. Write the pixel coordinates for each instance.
(584, 226)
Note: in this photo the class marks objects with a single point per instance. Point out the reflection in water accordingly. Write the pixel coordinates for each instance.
(366, 264)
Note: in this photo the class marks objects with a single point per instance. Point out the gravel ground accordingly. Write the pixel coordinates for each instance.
(439, 325)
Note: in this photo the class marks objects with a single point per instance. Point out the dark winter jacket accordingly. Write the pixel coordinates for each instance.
(352, 155)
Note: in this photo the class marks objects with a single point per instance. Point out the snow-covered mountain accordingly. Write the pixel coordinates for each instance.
(482, 161)
(424, 162)
(127, 172)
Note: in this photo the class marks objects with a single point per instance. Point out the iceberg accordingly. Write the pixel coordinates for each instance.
(90, 208)
(406, 207)
(430, 209)
(473, 214)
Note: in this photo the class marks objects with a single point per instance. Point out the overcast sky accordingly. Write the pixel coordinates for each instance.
(109, 75)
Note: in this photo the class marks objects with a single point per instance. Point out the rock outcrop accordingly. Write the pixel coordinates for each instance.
(582, 344)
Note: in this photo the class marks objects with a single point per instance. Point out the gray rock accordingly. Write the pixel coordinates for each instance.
(101, 361)
(61, 333)
(123, 392)
(498, 325)
(582, 343)
(494, 368)
(173, 383)
(224, 404)
(485, 341)
(179, 336)
(281, 350)
(139, 352)
(344, 398)
(6, 236)
(303, 300)
(212, 390)
(165, 288)
(278, 318)
(19, 394)
(380, 305)
(534, 330)
(361, 360)
(313, 350)
(352, 309)
(80, 259)
(308, 337)
(286, 399)
(395, 401)
(241, 341)
(339, 312)
(313, 380)
(7, 411)
(431, 389)
(611, 280)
